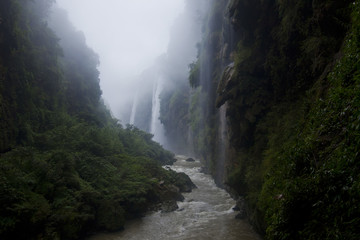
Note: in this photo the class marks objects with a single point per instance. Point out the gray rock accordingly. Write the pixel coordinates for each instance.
(240, 207)
(240, 204)
(184, 183)
(169, 206)
(171, 192)
(226, 84)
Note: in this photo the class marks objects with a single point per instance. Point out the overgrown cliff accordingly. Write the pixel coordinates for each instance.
(274, 112)
(67, 167)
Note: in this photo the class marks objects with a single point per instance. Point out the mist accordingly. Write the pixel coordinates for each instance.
(128, 36)
(167, 79)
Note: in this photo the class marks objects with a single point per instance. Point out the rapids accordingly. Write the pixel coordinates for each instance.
(206, 213)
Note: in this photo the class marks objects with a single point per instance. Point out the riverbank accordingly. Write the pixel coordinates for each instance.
(205, 213)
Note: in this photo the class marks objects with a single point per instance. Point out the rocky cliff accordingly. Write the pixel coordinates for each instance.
(272, 112)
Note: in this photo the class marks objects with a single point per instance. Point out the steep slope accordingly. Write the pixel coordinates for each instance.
(315, 172)
(170, 70)
(285, 74)
(67, 167)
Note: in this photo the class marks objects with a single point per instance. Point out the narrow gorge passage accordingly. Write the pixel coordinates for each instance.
(206, 213)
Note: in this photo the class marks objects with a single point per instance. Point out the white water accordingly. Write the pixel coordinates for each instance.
(133, 109)
(205, 214)
(156, 127)
(223, 139)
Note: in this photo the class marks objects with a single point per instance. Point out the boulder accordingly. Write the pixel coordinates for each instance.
(167, 192)
(184, 183)
(169, 206)
(240, 204)
(164, 198)
(171, 192)
(190, 160)
(240, 207)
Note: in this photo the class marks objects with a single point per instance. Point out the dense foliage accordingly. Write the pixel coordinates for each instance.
(288, 73)
(317, 171)
(66, 166)
(284, 155)
(205, 72)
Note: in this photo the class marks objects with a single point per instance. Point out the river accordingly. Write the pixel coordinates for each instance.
(206, 213)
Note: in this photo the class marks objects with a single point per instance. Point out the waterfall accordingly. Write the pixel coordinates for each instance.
(156, 127)
(133, 109)
(228, 43)
(223, 145)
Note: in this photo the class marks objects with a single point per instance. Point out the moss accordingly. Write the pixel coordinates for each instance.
(66, 166)
(285, 52)
(194, 75)
(316, 172)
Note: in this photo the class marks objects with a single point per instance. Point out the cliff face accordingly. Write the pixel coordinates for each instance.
(273, 115)
(67, 167)
(169, 74)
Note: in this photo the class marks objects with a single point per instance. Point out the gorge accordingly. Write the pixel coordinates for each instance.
(205, 213)
(270, 112)
(263, 94)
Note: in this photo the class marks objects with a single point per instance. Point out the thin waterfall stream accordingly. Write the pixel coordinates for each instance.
(134, 108)
(156, 126)
(206, 213)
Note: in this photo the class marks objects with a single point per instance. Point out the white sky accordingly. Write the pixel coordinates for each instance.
(127, 34)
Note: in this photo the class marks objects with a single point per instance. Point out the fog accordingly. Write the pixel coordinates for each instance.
(128, 36)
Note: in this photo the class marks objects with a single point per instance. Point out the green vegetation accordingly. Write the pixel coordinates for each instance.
(76, 178)
(67, 167)
(292, 111)
(174, 114)
(194, 75)
(295, 134)
(318, 171)
(204, 76)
